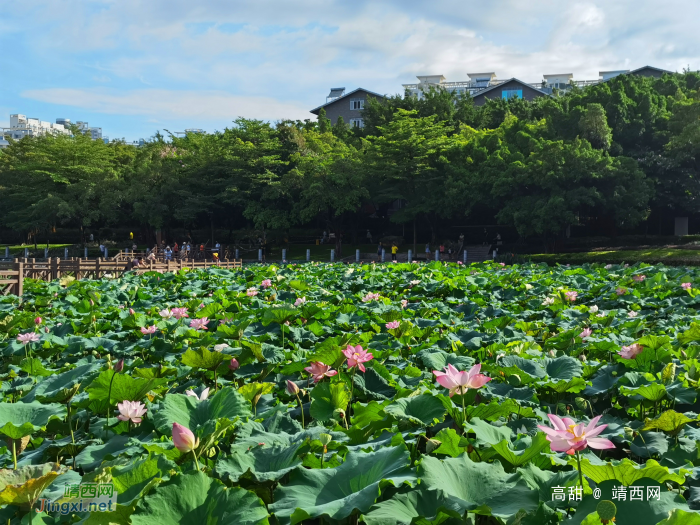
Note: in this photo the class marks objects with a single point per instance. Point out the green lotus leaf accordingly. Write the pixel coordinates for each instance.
(196, 498)
(423, 410)
(406, 507)
(520, 457)
(203, 358)
(124, 387)
(200, 416)
(337, 492)
(326, 398)
(670, 421)
(26, 484)
(131, 480)
(61, 387)
(263, 463)
(483, 488)
(35, 367)
(652, 392)
(21, 419)
(279, 314)
(681, 517)
(627, 472)
(633, 512)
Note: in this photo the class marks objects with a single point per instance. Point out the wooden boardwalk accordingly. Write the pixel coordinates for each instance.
(13, 274)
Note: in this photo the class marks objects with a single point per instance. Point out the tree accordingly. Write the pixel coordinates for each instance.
(594, 127)
(407, 160)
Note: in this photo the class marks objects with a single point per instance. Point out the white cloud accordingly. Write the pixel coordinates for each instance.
(171, 105)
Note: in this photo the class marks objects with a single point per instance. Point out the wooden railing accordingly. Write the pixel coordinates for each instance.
(13, 274)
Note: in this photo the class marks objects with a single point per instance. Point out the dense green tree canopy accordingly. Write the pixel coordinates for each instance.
(617, 150)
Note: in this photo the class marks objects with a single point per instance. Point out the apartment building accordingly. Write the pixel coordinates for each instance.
(21, 126)
(346, 105)
(482, 86)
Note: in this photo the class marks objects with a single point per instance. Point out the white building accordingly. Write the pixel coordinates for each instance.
(21, 126)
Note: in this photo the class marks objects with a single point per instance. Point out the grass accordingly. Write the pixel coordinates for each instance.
(673, 256)
(16, 247)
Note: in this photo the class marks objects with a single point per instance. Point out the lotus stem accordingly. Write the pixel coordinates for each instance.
(580, 472)
(14, 452)
(109, 402)
(196, 463)
(464, 414)
(301, 407)
(70, 423)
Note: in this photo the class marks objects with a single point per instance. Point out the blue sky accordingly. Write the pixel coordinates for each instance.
(134, 67)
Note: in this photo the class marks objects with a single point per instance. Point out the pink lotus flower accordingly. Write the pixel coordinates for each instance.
(199, 324)
(569, 437)
(404, 303)
(226, 320)
(292, 388)
(621, 291)
(131, 311)
(251, 292)
(571, 296)
(131, 411)
(631, 351)
(686, 286)
(184, 439)
(460, 262)
(319, 371)
(28, 338)
(300, 301)
(639, 278)
(37, 320)
(392, 325)
(165, 313)
(356, 356)
(586, 333)
(266, 283)
(148, 330)
(459, 382)
(370, 297)
(200, 397)
(179, 313)
(608, 266)
(632, 314)
(233, 365)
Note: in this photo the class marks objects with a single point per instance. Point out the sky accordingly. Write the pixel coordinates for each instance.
(135, 67)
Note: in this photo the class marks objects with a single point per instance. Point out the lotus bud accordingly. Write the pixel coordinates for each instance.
(582, 358)
(184, 439)
(131, 311)
(233, 365)
(119, 366)
(37, 320)
(292, 388)
(431, 445)
(629, 433)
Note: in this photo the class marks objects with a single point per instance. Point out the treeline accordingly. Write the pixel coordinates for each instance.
(614, 153)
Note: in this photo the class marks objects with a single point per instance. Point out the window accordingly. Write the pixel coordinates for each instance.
(357, 123)
(512, 93)
(357, 103)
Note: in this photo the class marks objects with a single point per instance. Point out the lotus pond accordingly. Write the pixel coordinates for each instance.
(378, 394)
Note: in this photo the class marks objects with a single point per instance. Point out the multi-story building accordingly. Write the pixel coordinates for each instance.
(346, 105)
(21, 126)
(481, 86)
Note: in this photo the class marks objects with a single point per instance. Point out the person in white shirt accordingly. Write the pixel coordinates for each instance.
(168, 253)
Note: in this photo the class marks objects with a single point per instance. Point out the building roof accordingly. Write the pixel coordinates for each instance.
(501, 84)
(315, 111)
(649, 67)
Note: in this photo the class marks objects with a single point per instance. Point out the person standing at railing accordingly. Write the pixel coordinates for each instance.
(176, 249)
(168, 253)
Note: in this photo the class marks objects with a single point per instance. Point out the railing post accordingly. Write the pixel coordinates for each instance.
(332, 255)
(410, 256)
(7, 252)
(308, 255)
(54, 267)
(238, 255)
(383, 254)
(65, 253)
(105, 252)
(26, 253)
(357, 255)
(167, 266)
(97, 267)
(86, 252)
(260, 255)
(465, 257)
(437, 254)
(46, 253)
(284, 254)
(19, 287)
